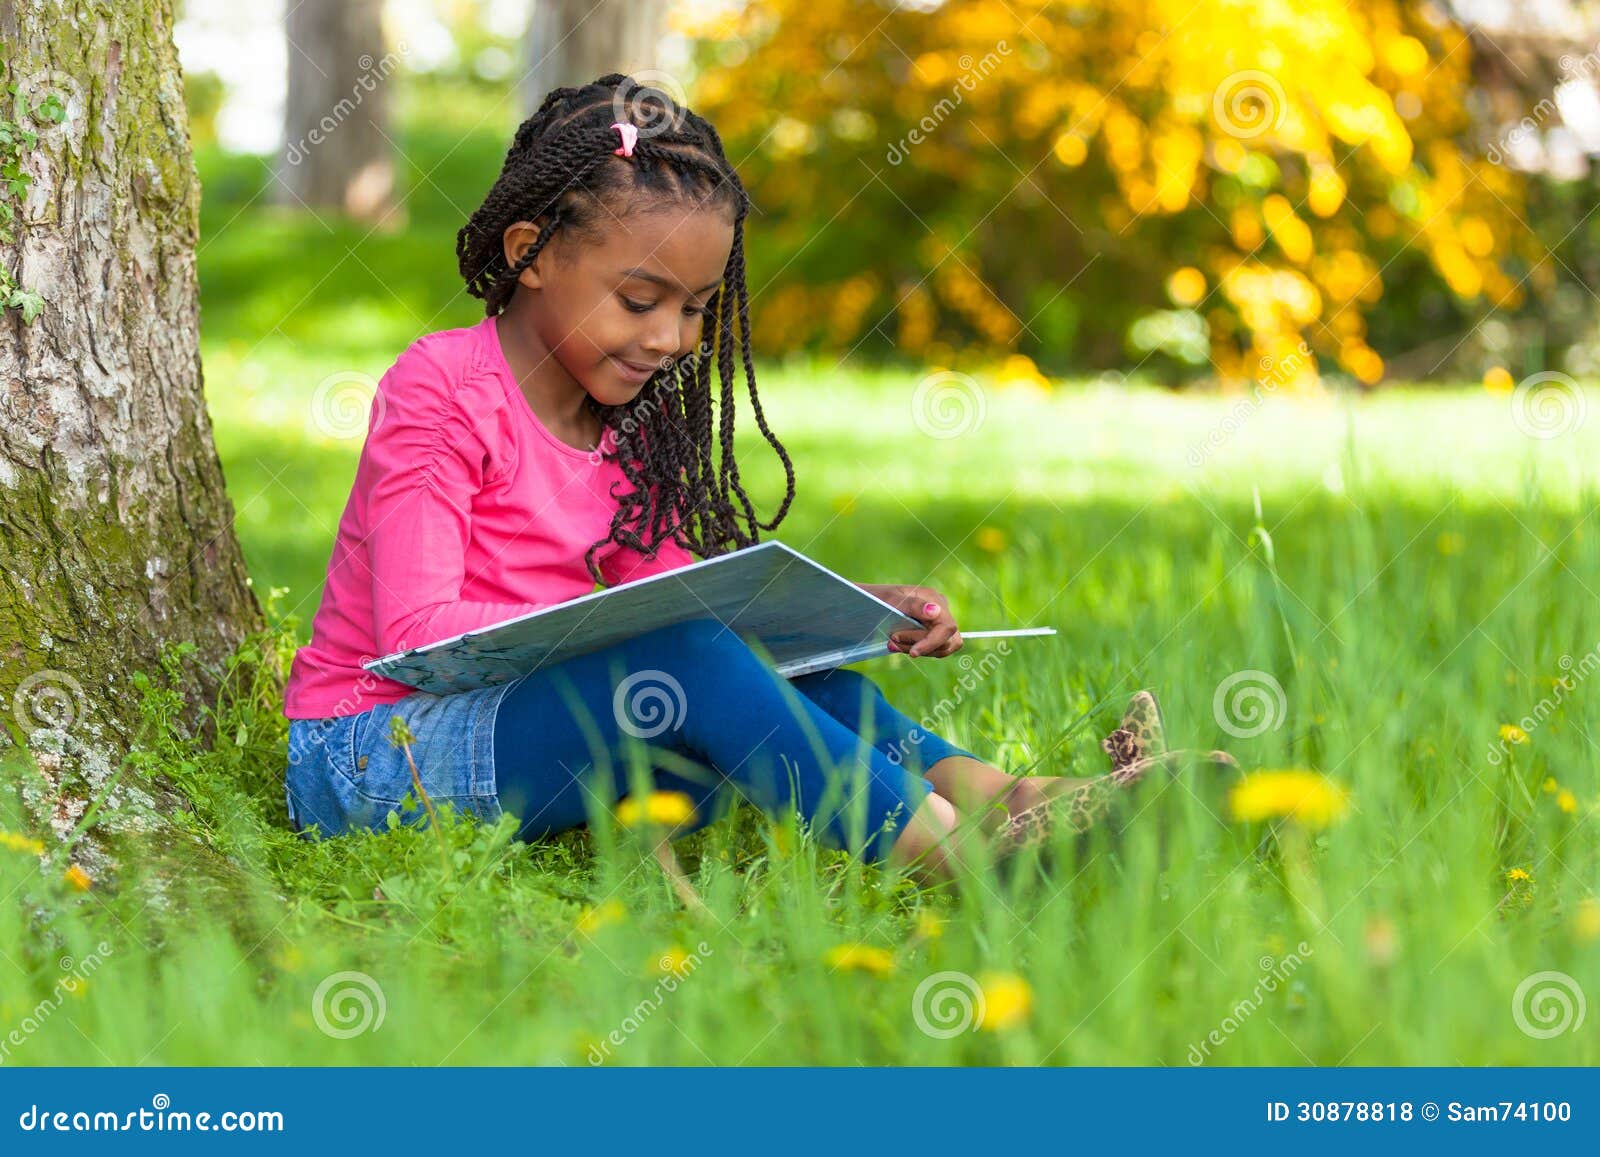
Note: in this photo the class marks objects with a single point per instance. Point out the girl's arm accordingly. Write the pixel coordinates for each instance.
(424, 460)
(939, 637)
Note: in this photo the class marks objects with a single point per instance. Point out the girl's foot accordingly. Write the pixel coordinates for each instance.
(1141, 734)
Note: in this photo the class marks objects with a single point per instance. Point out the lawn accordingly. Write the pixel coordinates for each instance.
(1411, 569)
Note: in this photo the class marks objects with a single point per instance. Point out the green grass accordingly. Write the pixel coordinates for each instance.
(1425, 576)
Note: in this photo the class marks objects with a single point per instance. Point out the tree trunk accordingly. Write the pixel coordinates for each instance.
(336, 142)
(116, 534)
(571, 42)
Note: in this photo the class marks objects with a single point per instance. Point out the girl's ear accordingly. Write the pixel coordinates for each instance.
(518, 238)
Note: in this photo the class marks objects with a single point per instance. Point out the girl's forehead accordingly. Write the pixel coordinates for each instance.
(685, 248)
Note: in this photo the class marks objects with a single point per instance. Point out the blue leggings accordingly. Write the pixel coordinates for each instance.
(712, 719)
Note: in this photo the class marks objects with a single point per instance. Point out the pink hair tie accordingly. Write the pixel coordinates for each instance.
(630, 134)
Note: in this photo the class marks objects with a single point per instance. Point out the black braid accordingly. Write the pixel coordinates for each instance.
(560, 170)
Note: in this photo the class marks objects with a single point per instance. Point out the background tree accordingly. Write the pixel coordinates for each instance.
(116, 534)
(570, 42)
(337, 152)
(1098, 185)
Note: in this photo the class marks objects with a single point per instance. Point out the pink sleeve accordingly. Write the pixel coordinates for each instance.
(625, 564)
(423, 461)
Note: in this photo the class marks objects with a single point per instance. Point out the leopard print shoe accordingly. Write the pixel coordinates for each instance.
(1082, 809)
(1141, 734)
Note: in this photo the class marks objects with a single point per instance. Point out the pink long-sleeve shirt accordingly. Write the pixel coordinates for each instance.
(465, 511)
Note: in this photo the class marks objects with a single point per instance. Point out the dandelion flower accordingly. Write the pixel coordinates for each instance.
(671, 961)
(667, 809)
(1519, 876)
(78, 878)
(1566, 801)
(1586, 923)
(1380, 936)
(859, 958)
(1498, 380)
(21, 843)
(1304, 796)
(1511, 733)
(593, 919)
(990, 539)
(1007, 1001)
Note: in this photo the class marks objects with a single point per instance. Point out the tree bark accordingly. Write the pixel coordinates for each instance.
(571, 42)
(336, 142)
(116, 533)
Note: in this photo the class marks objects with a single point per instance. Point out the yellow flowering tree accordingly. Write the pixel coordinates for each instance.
(1253, 184)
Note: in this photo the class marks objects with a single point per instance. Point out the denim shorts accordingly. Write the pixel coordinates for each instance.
(344, 774)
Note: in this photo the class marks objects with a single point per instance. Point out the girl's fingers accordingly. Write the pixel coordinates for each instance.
(935, 641)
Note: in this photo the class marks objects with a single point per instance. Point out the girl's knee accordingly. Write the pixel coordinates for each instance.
(695, 638)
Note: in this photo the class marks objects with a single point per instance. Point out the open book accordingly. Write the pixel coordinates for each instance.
(806, 617)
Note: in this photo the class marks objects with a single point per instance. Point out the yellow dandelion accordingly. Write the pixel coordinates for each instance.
(1498, 380)
(1007, 1001)
(1511, 733)
(21, 843)
(596, 918)
(991, 539)
(1586, 921)
(1566, 801)
(1304, 796)
(670, 961)
(664, 808)
(78, 878)
(859, 958)
(1380, 936)
(1519, 876)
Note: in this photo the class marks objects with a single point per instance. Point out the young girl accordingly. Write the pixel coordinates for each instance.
(565, 440)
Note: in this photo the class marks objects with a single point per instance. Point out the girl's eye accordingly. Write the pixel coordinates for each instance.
(645, 307)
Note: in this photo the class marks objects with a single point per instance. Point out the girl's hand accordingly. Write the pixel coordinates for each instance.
(939, 637)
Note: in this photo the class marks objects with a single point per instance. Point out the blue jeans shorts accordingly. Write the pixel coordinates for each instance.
(344, 773)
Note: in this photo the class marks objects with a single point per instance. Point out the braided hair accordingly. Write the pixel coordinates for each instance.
(561, 167)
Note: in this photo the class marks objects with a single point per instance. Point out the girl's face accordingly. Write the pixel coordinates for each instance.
(613, 313)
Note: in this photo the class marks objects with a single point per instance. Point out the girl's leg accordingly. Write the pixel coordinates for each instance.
(859, 703)
(697, 697)
(958, 775)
